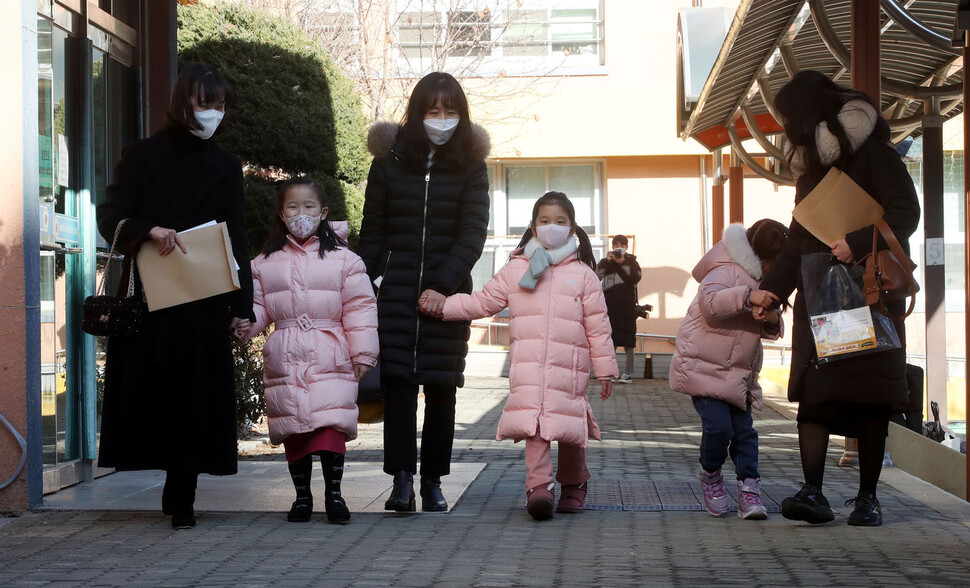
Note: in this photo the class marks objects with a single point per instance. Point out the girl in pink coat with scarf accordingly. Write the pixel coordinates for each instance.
(317, 294)
(559, 330)
(718, 358)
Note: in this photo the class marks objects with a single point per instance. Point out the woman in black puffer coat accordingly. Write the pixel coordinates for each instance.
(827, 126)
(424, 227)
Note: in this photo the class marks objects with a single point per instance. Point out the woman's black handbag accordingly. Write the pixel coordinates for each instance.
(103, 315)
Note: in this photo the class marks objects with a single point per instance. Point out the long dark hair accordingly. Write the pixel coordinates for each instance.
(767, 238)
(429, 90)
(561, 200)
(203, 82)
(808, 99)
(329, 240)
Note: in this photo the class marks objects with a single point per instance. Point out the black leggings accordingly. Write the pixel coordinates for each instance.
(813, 441)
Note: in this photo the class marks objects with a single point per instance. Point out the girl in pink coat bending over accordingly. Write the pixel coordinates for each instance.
(559, 330)
(317, 294)
(718, 358)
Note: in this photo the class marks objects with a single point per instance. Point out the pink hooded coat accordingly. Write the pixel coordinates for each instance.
(719, 350)
(558, 331)
(329, 323)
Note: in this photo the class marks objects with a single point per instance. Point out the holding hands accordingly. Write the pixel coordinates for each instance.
(840, 249)
(761, 302)
(432, 303)
(239, 328)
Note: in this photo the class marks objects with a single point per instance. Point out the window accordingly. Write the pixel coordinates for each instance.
(517, 37)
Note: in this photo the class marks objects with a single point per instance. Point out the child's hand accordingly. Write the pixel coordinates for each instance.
(840, 249)
(432, 303)
(360, 370)
(606, 388)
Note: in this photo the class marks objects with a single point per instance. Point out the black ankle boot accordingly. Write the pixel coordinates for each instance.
(333, 473)
(402, 494)
(302, 507)
(182, 494)
(432, 500)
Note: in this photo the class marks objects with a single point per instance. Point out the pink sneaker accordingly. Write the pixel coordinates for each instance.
(749, 500)
(715, 496)
(572, 498)
(539, 501)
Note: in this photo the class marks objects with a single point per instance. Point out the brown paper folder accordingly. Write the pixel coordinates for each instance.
(836, 207)
(206, 270)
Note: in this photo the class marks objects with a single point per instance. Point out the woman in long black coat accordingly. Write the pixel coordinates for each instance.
(169, 400)
(827, 126)
(424, 227)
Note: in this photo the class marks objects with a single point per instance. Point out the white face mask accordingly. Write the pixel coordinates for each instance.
(209, 119)
(440, 130)
(302, 226)
(553, 236)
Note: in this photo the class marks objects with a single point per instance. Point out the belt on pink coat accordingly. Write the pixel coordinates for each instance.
(306, 324)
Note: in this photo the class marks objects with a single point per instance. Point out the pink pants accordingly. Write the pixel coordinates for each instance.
(572, 468)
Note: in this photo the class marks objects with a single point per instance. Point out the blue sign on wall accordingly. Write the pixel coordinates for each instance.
(66, 230)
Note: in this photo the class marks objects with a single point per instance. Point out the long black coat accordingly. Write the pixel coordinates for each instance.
(422, 231)
(619, 288)
(169, 398)
(875, 378)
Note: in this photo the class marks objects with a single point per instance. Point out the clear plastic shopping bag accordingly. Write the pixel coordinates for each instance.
(842, 324)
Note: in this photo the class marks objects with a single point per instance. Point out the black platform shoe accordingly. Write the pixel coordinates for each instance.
(432, 500)
(402, 494)
(300, 511)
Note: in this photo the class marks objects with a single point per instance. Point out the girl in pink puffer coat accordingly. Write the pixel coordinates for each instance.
(317, 294)
(718, 358)
(559, 330)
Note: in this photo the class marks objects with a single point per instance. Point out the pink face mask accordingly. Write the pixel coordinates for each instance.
(553, 236)
(302, 226)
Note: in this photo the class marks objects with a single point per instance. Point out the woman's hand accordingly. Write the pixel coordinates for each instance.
(360, 370)
(606, 388)
(761, 299)
(432, 302)
(841, 251)
(166, 240)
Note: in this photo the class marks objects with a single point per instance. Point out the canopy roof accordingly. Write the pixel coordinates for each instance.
(769, 40)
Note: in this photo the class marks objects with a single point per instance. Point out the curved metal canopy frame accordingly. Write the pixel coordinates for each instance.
(841, 54)
(901, 126)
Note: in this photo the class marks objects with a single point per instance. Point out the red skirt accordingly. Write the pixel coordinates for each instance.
(303, 444)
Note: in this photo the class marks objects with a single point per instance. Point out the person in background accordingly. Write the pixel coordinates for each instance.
(718, 358)
(424, 227)
(317, 295)
(559, 330)
(619, 273)
(169, 398)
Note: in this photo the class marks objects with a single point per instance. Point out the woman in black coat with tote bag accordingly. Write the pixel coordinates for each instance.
(169, 401)
(830, 126)
(424, 227)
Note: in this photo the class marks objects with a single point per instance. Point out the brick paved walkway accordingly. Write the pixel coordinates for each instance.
(651, 437)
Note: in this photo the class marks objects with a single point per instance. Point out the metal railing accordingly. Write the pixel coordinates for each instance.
(23, 452)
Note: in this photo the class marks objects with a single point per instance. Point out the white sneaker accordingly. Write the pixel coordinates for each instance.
(625, 379)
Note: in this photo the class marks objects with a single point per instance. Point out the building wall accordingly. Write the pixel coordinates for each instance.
(19, 310)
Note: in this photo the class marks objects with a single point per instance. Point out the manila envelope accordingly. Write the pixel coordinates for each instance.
(206, 270)
(836, 207)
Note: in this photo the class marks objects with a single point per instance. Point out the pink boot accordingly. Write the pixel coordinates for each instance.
(715, 495)
(539, 501)
(572, 498)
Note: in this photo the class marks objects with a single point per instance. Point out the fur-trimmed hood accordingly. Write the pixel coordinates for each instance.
(733, 248)
(857, 117)
(383, 134)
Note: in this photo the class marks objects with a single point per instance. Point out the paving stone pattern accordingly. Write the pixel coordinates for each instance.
(648, 457)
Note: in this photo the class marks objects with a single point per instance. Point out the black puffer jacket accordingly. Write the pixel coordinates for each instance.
(876, 378)
(620, 289)
(422, 231)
